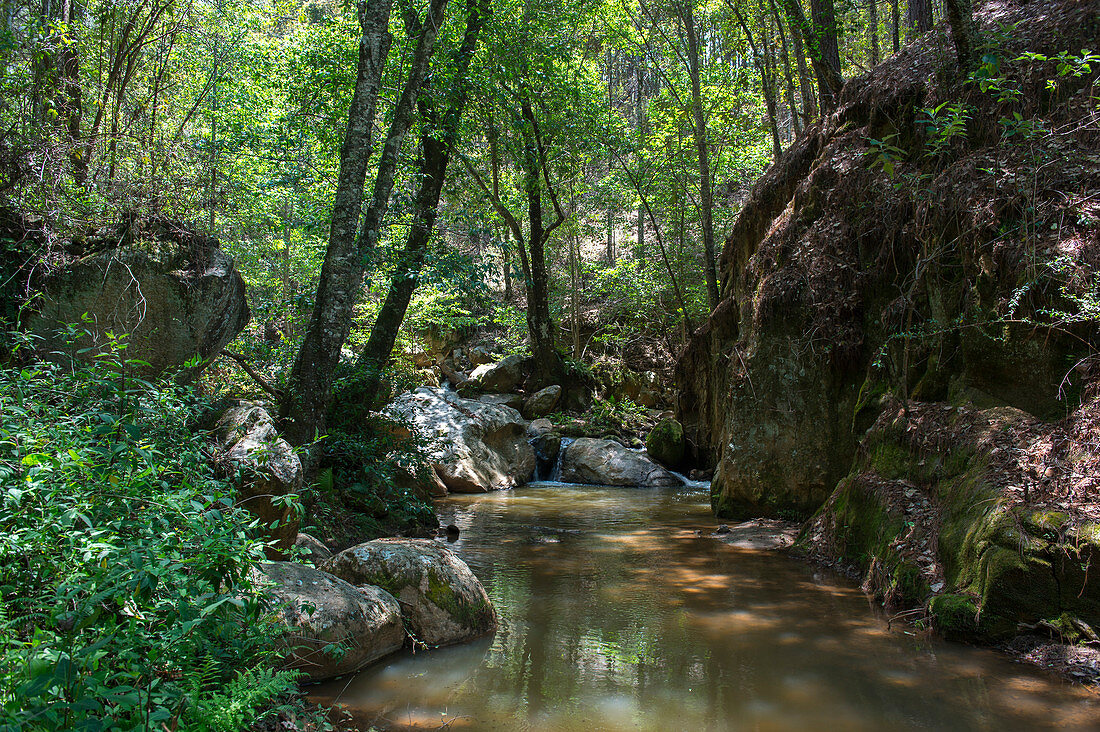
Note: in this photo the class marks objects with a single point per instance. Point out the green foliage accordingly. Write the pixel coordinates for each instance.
(617, 413)
(944, 124)
(124, 566)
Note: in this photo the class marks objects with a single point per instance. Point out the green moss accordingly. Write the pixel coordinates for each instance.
(468, 614)
(955, 616)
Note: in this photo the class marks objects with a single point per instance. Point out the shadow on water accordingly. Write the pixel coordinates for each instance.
(617, 615)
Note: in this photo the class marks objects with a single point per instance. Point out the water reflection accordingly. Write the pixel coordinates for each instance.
(617, 615)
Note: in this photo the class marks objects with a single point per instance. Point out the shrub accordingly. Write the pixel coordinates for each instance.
(124, 566)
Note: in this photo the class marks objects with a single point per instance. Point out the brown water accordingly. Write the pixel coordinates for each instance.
(617, 615)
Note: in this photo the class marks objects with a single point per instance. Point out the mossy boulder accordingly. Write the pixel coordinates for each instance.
(665, 443)
(331, 627)
(441, 599)
(934, 514)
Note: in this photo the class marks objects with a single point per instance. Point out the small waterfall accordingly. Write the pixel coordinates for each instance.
(555, 472)
(689, 483)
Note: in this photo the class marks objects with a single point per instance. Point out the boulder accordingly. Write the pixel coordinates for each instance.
(480, 355)
(604, 462)
(513, 401)
(443, 602)
(499, 377)
(269, 468)
(542, 403)
(665, 443)
(539, 427)
(473, 446)
(176, 301)
(312, 549)
(319, 610)
(452, 374)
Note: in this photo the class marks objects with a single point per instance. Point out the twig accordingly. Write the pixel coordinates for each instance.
(256, 375)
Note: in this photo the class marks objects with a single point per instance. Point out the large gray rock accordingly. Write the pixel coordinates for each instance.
(542, 403)
(174, 302)
(269, 469)
(319, 610)
(515, 401)
(605, 462)
(502, 376)
(473, 446)
(442, 601)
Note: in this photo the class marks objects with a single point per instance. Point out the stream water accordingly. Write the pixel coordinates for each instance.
(619, 611)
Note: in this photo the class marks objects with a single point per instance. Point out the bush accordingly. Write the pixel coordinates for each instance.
(124, 566)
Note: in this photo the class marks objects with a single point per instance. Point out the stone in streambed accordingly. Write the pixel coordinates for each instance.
(318, 610)
(665, 443)
(542, 403)
(441, 599)
(604, 462)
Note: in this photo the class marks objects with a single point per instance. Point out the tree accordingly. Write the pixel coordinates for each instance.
(308, 393)
(964, 33)
(821, 41)
(438, 138)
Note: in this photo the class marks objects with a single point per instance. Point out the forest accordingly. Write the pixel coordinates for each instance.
(584, 346)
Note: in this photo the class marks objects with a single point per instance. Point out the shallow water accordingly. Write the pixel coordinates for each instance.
(616, 615)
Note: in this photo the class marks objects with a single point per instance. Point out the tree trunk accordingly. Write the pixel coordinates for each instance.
(825, 28)
(805, 85)
(437, 144)
(872, 29)
(639, 120)
(821, 43)
(309, 388)
(964, 31)
(920, 15)
(895, 17)
(706, 197)
(767, 77)
(785, 60)
(539, 323)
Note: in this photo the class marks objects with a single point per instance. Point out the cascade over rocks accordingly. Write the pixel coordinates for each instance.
(176, 294)
(473, 446)
(443, 602)
(605, 462)
(319, 610)
(831, 258)
(270, 469)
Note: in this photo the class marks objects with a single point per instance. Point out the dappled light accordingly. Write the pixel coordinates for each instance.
(621, 611)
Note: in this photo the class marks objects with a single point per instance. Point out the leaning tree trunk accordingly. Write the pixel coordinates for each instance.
(437, 143)
(706, 196)
(821, 43)
(308, 394)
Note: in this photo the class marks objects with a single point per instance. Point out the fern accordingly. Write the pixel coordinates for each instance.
(241, 702)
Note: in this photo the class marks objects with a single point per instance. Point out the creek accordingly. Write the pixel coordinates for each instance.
(620, 611)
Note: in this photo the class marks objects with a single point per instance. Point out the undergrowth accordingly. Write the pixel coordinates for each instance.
(124, 565)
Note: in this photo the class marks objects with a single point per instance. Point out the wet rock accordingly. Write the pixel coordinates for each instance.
(319, 610)
(542, 402)
(269, 468)
(604, 462)
(547, 447)
(473, 446)
(499, 377)
(442, 601)
(665, 443)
